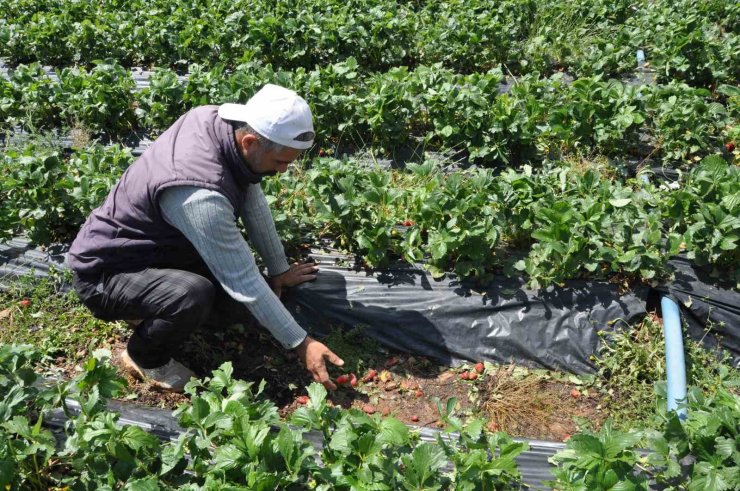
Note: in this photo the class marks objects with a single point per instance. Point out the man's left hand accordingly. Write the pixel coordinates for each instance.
(297, 274)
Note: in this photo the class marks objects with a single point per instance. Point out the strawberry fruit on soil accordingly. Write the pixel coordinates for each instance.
(730, 147)
(25, 303)
(369, 376)
(479, 367)
(342, 379)
(302, 400)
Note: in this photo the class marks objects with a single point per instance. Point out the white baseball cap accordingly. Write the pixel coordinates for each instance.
(277, 113)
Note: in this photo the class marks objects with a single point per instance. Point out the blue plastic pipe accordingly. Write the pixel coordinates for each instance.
(674, 355)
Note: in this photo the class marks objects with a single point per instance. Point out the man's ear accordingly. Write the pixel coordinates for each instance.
(247, 141)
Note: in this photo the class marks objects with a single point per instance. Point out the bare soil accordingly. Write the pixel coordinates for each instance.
(523, 403)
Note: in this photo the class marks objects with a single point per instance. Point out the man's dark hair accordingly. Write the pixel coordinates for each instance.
(270, 146)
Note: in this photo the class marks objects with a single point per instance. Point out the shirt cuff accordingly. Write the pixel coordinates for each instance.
(276, 266)
(293, 339)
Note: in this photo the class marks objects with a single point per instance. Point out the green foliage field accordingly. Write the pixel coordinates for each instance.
(234, 439)
(551, 196)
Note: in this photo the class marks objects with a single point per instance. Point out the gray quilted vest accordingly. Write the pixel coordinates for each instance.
(128, 232)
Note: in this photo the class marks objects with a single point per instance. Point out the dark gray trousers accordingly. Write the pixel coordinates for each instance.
(172, 303)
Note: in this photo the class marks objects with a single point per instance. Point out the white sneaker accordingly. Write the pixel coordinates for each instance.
(171, 377)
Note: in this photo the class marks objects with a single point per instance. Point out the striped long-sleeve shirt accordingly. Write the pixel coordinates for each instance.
(205, 218)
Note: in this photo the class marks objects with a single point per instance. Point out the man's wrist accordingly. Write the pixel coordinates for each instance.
(283, 269)
(301, 345)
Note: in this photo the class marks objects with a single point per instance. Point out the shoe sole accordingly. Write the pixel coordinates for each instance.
(133, 369)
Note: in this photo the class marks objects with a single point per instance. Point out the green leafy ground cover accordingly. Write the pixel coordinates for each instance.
(565, 220)
(689, 40)
(386, 76)
(428, 107)
(234, 438)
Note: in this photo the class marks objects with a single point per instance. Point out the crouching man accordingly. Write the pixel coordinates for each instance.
(164, 248)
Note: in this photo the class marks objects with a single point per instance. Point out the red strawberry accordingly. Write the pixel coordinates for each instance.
(465, 375)
(408, 223)
(419, 393)
(352, 380)
(730, 147)
(25, 303)
(302, 399)
(575, 393)
(479, 367)
(415, 418)
(472, 375)
(342, 379)
(322, 153)
(369, 376)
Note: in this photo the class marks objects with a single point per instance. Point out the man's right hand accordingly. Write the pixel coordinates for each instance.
(313, 354)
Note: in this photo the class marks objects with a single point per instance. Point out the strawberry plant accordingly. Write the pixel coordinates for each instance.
(26, 446)
(477, 34)
(596, 114)
(362, 450)
(600, 461)
(28, 99)
(48, 196)
(708, 440)
(684, 122)
(100, 100)
(480, 458)
(230, 438)
(705, 211)
(162, 101)
(459, 111)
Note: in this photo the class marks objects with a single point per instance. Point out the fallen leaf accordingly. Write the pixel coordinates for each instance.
(446, 376)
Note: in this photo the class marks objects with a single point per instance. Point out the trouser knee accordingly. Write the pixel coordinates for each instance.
(156, 339)
(194, 304)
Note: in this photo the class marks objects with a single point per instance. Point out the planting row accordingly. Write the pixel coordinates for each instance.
(687, 40)
(234, 438)
(559, 222)
(429, 107)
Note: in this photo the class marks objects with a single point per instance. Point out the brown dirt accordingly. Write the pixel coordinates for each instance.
(522, 403)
